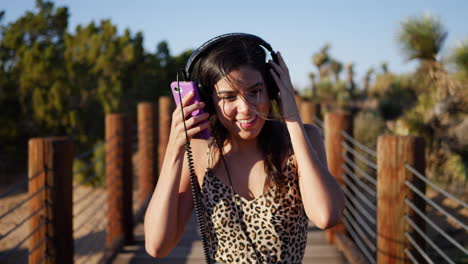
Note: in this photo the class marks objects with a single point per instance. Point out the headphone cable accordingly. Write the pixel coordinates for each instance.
(196, 192)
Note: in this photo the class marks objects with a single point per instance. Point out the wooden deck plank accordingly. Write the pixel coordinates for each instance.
(190, 249)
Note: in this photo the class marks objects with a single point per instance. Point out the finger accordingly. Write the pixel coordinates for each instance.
(197, 119)
(275, 76)
(193, 107)
(197, 129)
(281, 61)
(276, 67)
(186, 99)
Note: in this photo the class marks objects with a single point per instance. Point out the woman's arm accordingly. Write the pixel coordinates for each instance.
(172, 203)
(321, 194)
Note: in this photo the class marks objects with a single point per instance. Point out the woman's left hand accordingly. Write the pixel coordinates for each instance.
(282, 78)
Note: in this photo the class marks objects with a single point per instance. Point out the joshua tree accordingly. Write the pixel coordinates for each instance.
(367, 77)
(384, 67)
(460, 57)
(321, 58)
(422, 37)
(350, 81)
(313, 87)
(336, 68)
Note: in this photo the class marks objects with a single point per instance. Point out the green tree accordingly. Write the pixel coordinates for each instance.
(32, 55)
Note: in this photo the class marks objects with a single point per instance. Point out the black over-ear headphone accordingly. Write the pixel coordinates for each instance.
(207, 46)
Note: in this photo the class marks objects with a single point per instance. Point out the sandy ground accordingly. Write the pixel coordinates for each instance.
(88, 224)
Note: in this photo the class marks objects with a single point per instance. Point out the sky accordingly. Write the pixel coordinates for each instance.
(362, 32)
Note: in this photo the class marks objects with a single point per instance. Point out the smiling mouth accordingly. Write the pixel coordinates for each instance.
(246, 121)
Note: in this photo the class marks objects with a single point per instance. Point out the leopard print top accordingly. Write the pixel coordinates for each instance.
(275, 222)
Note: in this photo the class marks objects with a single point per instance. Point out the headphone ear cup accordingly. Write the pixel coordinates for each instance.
(273, 89)
(207, 99)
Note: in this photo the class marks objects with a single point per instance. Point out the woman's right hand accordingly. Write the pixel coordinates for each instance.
(194, 124)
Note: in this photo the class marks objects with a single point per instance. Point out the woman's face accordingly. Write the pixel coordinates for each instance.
(241, 102)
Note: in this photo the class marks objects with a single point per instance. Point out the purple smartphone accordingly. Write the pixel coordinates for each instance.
(184, 89)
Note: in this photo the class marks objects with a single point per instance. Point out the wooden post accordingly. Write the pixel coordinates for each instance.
(119, 180)
(393, 153)
(166, 107)
(309, 111)
(147, 148)
(334, 124)
(298, 99)
(50, 173)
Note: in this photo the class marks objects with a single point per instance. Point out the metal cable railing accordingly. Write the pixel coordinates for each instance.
(453, 243)
(364, 174)
(428, 240)
(362, 236)
(360, 190)
(89, 217)
(436, 227)
(418, 248)
(89, 204)
(371, 205)
(363, 249)
(357, 205)
(13, 232)
(359, 156)
(21, 203)
(360, 182)
(359, 144)
(436, 206)
(19, 224)
(411, 256)
(17, 186)
(318, 122)
(5, 255)
(435, 187)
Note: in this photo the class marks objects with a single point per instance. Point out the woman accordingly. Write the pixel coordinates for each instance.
(265, 172)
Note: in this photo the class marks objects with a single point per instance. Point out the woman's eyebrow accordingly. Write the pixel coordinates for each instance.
(255, 85)
(226, 92)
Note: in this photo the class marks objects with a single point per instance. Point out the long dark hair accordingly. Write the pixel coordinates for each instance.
(218, 62)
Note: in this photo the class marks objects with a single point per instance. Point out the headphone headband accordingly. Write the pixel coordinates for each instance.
(212, 42)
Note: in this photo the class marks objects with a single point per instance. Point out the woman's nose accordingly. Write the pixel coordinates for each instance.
(243, 106)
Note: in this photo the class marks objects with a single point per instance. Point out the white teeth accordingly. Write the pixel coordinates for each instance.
(246, 121)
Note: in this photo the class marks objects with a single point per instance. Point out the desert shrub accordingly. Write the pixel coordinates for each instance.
(368, 126)
(396, 100)
(91, 171)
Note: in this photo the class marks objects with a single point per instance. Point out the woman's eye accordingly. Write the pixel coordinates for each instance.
(256, 91)
(229, 97)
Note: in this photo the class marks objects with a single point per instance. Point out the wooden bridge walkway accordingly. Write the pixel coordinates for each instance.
(190, 249)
